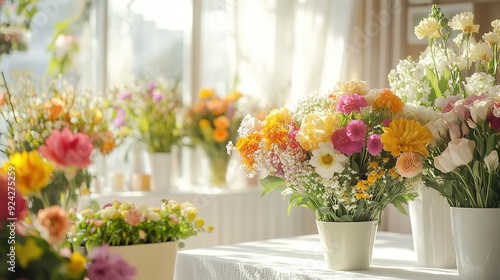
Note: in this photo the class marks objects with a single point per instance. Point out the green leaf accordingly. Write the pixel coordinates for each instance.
(490, 143)
(271, 183)
(434, 84)
(398, 203)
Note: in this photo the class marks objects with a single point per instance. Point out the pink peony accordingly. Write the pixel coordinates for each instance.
(18, 203)
(356, 130)
(349, 103)
(134, 217)
(374, 145)
(344, 144)
(55, 221)
(66, 149)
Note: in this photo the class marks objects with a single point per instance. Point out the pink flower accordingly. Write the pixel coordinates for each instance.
(374, 145)
(20, 210)
(386, 122)
(173, 219)
(105, 266)
(349, 103)
(494, 121)
(124, 95)
(134, 217)
(344, 144)
(356, 130)
(66, 149)
(55, 221)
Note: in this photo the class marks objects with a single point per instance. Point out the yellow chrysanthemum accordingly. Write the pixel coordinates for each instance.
(316, 128)
(247, 146)
(76, 264)
(387, 99)
(275, 128)
(32, 171)
(404, 136)
(27, 252)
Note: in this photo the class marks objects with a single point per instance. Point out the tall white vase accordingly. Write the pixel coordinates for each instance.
(431, 229)
(476, 233)
(347, 245)
(161, 171)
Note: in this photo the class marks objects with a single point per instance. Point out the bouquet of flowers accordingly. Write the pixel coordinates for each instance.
(212, 123)
(151, 111)
(453, 89)
(35, 248)
(346, 154)
(136, 224)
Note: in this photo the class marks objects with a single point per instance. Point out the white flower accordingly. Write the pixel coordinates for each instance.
(491, 161)
(491, 38)
(428, 27)
(496, 25)
(328, 161)
(464, 21)
(108, 212)
(444, 163)
(152, 216)
(480, 82)
(461, 150)
(480, 52)
(248, 125)
(438, 128)
(480, 109)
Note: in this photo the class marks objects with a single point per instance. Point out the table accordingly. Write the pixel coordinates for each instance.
(238, 215)
(300, 258)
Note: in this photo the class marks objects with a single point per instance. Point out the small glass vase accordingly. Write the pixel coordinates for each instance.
(218, 170)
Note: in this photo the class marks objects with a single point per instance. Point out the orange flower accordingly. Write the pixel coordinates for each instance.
(220, 135)
(247, 146)
(203, 123)
(2, 99)
(55, 107)
(222, 122)
(107, 146)
(235, 95)
(387, 99)
(275, 128)
(409, 164)
(217, 106)
(55, 221)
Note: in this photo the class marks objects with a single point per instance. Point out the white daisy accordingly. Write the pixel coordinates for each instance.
(328, 161)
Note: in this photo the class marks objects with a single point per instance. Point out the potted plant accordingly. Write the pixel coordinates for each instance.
(150, 111)
(138, 231)
(346, 155)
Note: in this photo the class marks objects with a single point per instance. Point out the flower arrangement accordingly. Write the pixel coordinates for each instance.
(346, 154)
(453, 89)
(35, 248)
(211, 123)
(150, 110)
(136, 224)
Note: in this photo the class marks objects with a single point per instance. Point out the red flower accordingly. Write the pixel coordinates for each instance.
(66, 149)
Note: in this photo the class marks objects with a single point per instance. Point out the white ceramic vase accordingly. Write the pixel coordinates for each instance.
(160, 165)
(476, 233)
(431, 229)
(347, 245)
(151, 261)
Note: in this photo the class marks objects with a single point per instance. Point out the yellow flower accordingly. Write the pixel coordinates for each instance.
(235, 95)
(275, 129)
(464, 21)
(206, 93)
(25, 253)
(76, 264)
(203, 123)
(190, 213)
(32, 171)
(428, 27)
(247, 146)
(403, 135)
(210, 229)
(316, 128)
(351, 87)
(387, 99)
(199, 223)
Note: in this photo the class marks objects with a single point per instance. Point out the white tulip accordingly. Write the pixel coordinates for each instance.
(479, 110)
(491, 161)
(444, 162)
(461, 150)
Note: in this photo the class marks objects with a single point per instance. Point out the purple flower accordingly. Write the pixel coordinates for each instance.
(124, 95)
(119, 119)
(104, 266)
(356, 130)
(156, 95)
(344, 144)
(151, 86)
(349, 103)
(374, 145)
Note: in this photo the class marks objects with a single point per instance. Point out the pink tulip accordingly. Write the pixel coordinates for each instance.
(66, 149)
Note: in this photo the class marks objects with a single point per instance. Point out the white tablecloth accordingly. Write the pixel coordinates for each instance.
(301, 258)
(238, 215)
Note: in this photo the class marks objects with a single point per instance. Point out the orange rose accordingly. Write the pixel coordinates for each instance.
(222, 122)
(220, 135)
